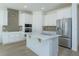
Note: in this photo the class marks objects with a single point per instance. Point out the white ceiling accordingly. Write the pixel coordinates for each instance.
(34, 6)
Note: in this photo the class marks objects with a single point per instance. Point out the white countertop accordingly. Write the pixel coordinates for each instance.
(43, 36)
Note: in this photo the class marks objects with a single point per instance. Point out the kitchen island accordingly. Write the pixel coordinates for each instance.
(43, 44)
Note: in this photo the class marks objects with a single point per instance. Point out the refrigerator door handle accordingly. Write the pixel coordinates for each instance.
(57, 28)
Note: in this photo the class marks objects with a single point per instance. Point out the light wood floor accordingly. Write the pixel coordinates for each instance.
(19, 49)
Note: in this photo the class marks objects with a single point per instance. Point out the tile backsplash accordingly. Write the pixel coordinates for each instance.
(6, 28)
(49, 28)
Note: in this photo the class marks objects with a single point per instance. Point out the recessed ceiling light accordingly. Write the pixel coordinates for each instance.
(25, 6)
(42, 8)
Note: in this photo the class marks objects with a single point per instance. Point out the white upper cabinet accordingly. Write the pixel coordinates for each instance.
(64, 13)
(24, 18)
(3, 16)
(21, 18)
(52, 16)
(28, 19)
(50, 20)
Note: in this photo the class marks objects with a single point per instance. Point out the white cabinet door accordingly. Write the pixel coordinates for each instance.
(3, 16)
(50, 20)
(15, 37)
(5, 38)
(25, 18)
(11, 37)
(21, 19)
(51, 17)
(28, 18)
(64, 13)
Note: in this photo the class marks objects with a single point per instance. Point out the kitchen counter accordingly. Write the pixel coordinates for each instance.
(43, 44)
(12, 37)
(44, 36)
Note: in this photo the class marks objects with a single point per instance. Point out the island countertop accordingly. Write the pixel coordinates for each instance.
(43, 36)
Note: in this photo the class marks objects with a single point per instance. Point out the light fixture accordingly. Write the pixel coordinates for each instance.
(42, 8)
(25, 6)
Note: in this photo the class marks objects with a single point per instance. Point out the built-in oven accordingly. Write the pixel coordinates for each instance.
(28, 27)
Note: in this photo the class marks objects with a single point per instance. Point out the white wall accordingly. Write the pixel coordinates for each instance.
(74, 27)
(37, 22)
(52, 16)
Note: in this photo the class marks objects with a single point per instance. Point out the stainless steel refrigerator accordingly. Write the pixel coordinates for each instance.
(64, 28)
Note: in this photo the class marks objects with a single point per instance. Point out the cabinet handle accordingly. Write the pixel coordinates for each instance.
(29, 36)
(39, 40)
